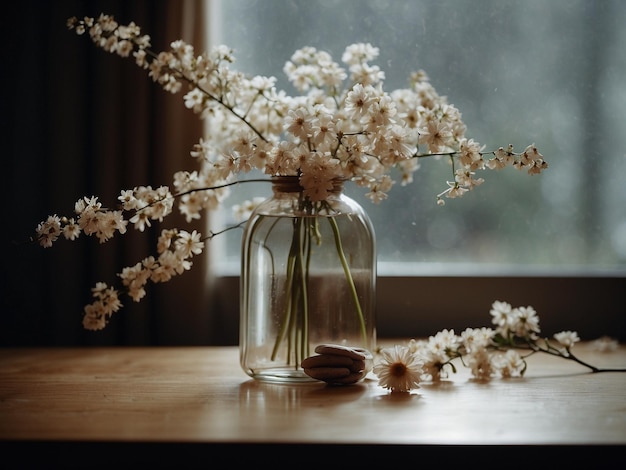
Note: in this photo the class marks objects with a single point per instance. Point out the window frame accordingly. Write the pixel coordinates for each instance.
(418, 306)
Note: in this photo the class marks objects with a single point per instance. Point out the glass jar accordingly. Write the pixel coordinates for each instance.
(308, 278)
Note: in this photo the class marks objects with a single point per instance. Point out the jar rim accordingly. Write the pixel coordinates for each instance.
(291, 184)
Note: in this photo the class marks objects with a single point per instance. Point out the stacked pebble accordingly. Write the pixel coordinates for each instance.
(336, 364)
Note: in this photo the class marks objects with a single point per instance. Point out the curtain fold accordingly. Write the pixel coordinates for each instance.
(79, 121)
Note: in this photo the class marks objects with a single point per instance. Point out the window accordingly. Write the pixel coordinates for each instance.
(549, 73)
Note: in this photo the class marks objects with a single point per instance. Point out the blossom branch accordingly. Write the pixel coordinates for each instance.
(564, 352)
(487, 352)
(344, 126)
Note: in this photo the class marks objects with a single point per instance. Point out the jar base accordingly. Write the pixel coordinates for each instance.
(282, 375)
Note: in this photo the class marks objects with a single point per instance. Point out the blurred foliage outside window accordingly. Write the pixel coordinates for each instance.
(521, 72)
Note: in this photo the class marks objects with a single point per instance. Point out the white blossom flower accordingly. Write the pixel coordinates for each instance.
(479, 362)
(298, 123)
(359, 100)
(605, 344)
(135, 278)
(470, 154)
(525, 321)
(508, 364)
(361, 52)
(476, 338)
(437, 351)
(189, 244)
(436, 136)
(567, 338)
(399, 369)
(71, 230)
(501, 313)
(106, 303)
(49, 230)
(466, 179)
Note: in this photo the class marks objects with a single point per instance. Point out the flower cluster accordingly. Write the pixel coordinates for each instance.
(343, 125)
(500, 351)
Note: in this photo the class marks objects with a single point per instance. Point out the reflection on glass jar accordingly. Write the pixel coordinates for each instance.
(308, 278)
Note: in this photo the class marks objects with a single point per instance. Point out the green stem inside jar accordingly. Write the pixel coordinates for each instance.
(295, 318)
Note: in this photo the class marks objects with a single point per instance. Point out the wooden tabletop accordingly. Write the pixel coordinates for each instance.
(200, 395)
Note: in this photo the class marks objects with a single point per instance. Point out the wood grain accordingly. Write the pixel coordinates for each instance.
(200, 394)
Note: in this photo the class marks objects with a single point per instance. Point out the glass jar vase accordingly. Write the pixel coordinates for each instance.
(308, 278)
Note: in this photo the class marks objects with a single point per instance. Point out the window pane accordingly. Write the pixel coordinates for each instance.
(520, 72)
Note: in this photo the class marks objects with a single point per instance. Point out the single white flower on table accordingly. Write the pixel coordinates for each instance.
(399, 370)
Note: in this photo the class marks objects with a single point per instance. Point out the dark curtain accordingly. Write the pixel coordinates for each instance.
(79, 121)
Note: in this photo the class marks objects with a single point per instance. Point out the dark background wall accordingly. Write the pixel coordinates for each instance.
(78, 121)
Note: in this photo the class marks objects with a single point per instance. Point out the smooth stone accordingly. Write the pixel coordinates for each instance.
(326, 360)
(357, 366)
(348, 379)
(327, 373)
(339, 350)
(336, 364)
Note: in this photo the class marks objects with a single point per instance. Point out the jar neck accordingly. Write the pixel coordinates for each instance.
(291, 184)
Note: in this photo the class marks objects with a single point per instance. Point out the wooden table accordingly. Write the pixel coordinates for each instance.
(153, 402)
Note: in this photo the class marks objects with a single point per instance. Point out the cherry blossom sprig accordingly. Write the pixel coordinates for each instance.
(343, 125)
(488, 352)
(175, 246)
